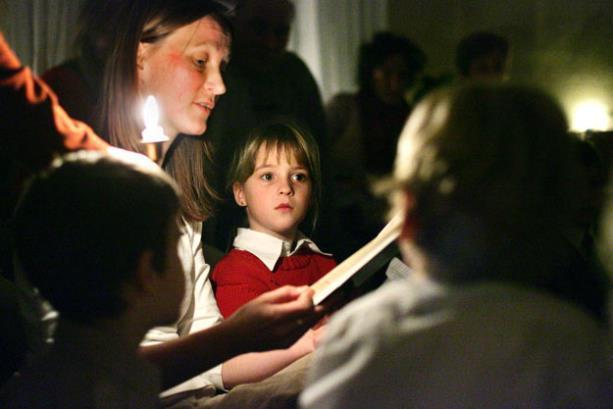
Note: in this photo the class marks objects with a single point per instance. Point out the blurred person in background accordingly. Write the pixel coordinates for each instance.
(364, 128)
(78, 81)
(483, 56)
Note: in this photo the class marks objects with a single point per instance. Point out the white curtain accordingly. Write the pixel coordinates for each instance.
(41, 31)
(327, 34)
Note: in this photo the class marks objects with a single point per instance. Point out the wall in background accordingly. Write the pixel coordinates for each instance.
(327, 35)
(564, 46)
(41, 31)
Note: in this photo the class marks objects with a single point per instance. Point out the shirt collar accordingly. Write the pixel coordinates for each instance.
(269, 248)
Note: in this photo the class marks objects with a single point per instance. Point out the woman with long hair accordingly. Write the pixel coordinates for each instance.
(176, 51)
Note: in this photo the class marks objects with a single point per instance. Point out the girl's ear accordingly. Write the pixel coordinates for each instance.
(239, 194)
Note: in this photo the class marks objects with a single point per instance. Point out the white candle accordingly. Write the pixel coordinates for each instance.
(153, 133)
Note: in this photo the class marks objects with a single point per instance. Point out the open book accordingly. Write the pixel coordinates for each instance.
(363, 263)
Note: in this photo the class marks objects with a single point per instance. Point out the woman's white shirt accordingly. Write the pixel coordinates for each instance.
(199, 309)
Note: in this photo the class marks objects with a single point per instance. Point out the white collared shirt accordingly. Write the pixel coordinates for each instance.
(269, 248)
(199, 309)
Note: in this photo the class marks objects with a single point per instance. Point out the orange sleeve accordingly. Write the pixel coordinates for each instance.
(33, 126)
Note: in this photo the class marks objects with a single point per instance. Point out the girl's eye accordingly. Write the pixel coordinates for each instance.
(300, 177)
(267, 177)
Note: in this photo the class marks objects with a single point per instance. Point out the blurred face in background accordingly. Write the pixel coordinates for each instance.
(390, 79)
(491, 67)
(262, 31)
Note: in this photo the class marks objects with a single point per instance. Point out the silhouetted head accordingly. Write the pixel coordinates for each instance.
(85, 225)
(483, 56)
(262, 31)
(484, 175)
(388, 66)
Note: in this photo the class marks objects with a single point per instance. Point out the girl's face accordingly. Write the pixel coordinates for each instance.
(183, 72)
(277, 195)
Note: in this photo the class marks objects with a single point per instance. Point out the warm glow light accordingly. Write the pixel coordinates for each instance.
(151, 113)
(590, 115)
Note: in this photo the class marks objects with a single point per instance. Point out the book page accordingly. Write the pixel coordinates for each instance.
(357, 261)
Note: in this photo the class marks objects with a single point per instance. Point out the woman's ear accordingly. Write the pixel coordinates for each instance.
(239, 194)
(141, 54)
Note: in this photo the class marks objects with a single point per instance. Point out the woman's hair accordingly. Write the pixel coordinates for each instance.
(383, 46)
(150, 21)
(280, 136)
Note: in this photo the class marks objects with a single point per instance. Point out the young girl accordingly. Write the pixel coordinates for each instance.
(275, 176)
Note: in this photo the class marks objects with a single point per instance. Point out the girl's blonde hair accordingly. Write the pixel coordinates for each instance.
(280, 136)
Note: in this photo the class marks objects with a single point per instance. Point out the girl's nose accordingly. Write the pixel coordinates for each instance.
(286, 187)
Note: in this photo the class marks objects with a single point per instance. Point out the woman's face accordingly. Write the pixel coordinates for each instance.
(183, 72)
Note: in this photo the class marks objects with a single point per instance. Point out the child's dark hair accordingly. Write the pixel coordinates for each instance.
(82, 225)
(280, 136)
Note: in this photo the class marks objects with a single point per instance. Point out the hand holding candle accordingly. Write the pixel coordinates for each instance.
(153, 134)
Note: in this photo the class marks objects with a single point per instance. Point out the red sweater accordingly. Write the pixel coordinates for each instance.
(240, 276)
